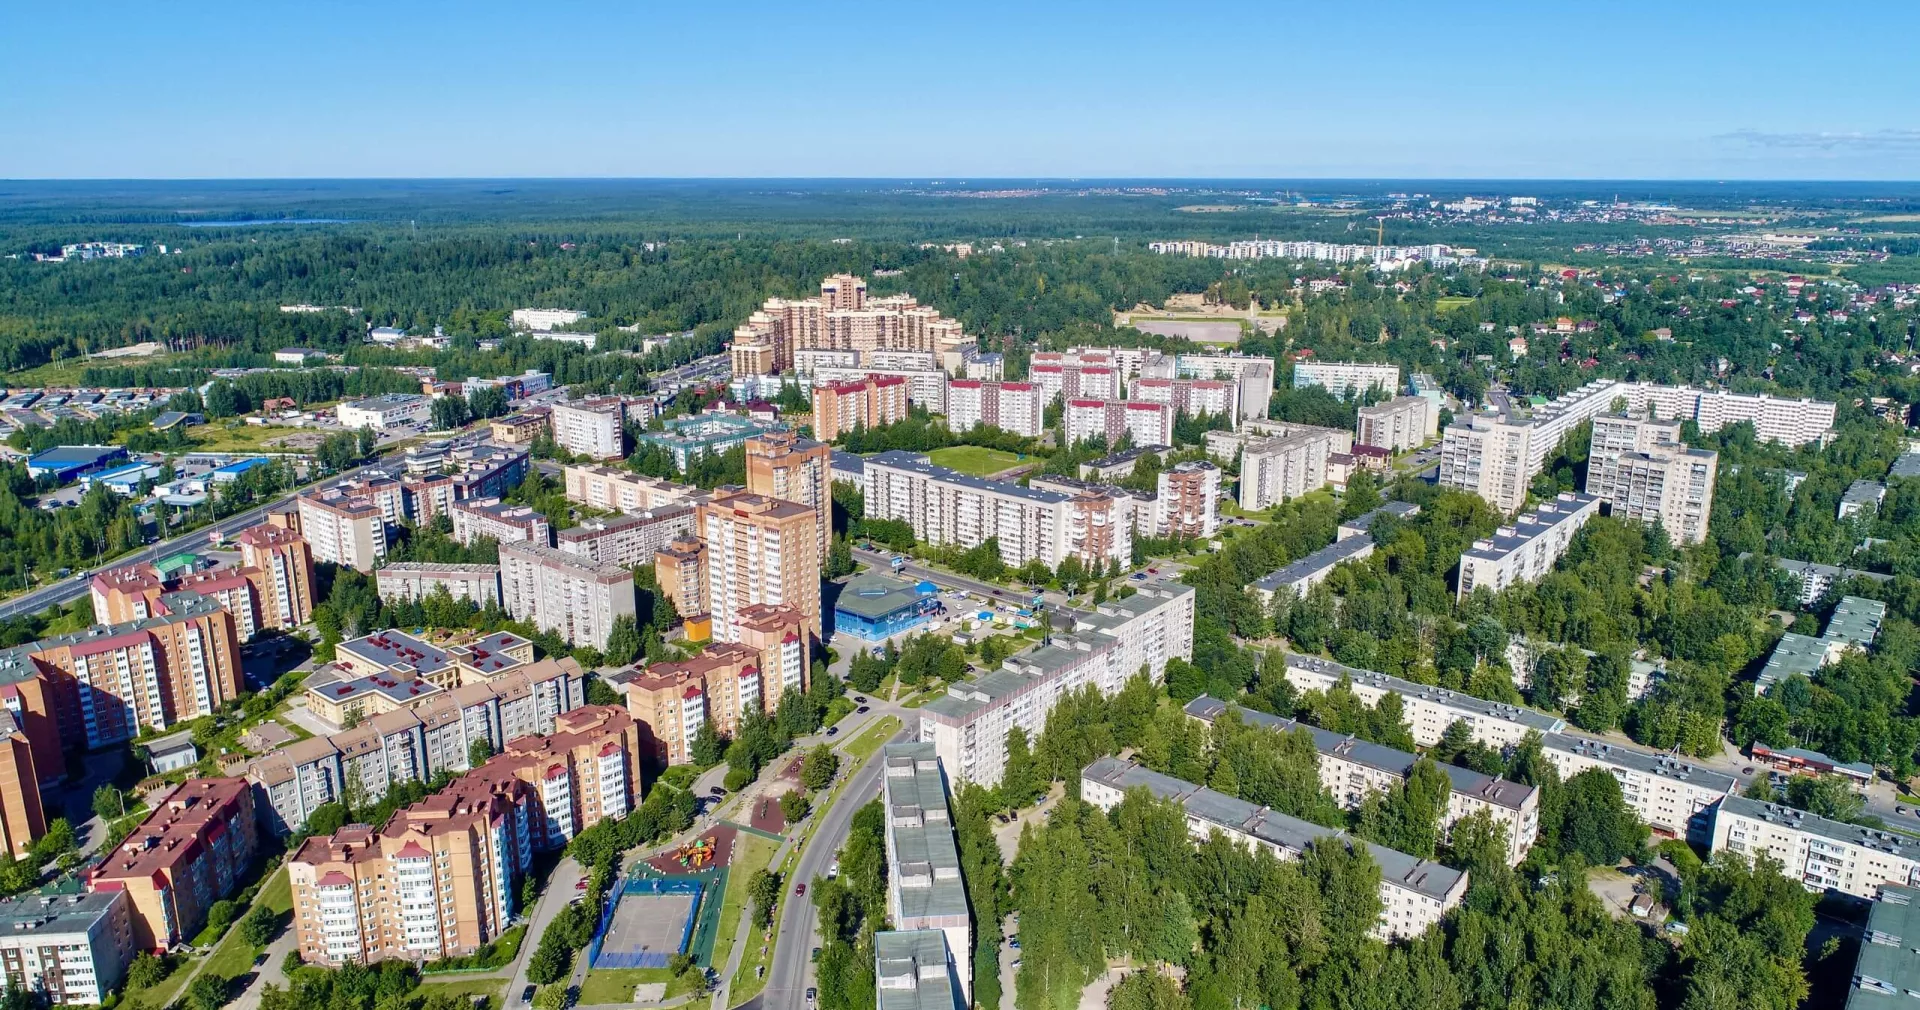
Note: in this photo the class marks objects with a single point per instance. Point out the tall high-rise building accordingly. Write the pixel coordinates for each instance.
(674, 700)
(680, 572)
(841, 318)
(23, 818)
(345, 529)
(868, 403)
(590, 427)
(572, 596)
(287, 564)
(1147, 422)
(781, 464)
(1396, 425)
(1640, 468)
(1010, 406)
(760, 549)
(1186, 505)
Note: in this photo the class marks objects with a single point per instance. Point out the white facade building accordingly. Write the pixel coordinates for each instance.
(948, 507)
(1010, 406)
(1148, 423)
(1397, 425)
(589, 427)
(574, 597)
(1527, 550)
(383, 412)
(1643, 472)
(417, 580)
(1346, 378)
(1822, 854)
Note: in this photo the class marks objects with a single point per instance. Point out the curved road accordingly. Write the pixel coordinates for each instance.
(787, 977)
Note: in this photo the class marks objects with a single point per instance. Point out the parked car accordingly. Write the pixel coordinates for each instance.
(717, 791)
(815, 956)
(858, 700)
(811, 993)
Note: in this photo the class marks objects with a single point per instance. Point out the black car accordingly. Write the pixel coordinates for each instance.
(526, 995)
(857, 700)
(833, 730)
(864, 708)
(717, 791)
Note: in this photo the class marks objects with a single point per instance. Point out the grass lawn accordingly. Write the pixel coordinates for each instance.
(1237, 512)
(615, 985)
(235, 955)
(219, 437)
(973, 459)
(751, 853)
(162, 994)
(492, 988)
(863, 746)
(1447, 303)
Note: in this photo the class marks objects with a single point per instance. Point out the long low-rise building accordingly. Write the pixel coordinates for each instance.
(948, 507)
(417, 580)
(1415, 894)
(1816, 579)
(1670, 794)
(1527, 550)
(1822, 854)
(604, 487)
(1429, 710)
(1854, 624)
(500, 521)
(1352, 769)
(1303, 574)
(1108, 646)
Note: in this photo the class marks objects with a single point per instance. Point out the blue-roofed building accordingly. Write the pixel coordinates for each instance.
(123, 480)
(69, 461)
(233, 470)
(874, 607)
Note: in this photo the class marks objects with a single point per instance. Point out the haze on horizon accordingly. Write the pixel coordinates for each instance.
(1227, 89)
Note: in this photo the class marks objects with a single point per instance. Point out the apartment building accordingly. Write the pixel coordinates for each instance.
(344, 529)
(1192, 397)
(1527, 550)
(781, 464)
(1816, 579)
(759, 550)
(1886, 969)
(73, 949)
(947, 507)
(1497, 456)
(104, 685)
(1428, 710)
(870, 402)
(1148, 423)
(389, 671)
(417, 580)
(1282, 462)
(1073, 380)
(628, 539)
(440, 879)
(1352, 769)
(604, 487)
(415, 743)
(925, 386)
(924, 886)
(589, 427)
(1669, 794)
(1861, 498)
(382, 412)
(497, 520)
(680, 572)
(841, 318)
(285, 563)
(23, 816)
(1303, 573)
(1129, 362)
(674, 700)
(1854, 624)
(1640, 468)
(781, 636)
(1107, 647)
(1186, 505)
(1344, 379)
(689, 438)
(196, 848)
(586, 771)
(1415, 894)
(915, 971)
(1822, 854)
(1017, 407)
(1101, 520)
(574, 597)
(1253, 375)
(1397, 425)
(519, 429)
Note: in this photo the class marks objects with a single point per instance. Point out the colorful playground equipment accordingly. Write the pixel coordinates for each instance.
(696, 854)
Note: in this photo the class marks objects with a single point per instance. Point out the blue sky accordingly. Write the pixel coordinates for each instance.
(1279, 89)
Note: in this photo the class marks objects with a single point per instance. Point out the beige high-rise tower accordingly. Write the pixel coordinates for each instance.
(760, 549)
(781, 464)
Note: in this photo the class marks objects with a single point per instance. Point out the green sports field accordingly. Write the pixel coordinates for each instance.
(973, 459)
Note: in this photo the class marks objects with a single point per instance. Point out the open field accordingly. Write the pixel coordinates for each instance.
(1447, 303)
(615, 985)
(220, 437)
(973, 459)
(492, 988)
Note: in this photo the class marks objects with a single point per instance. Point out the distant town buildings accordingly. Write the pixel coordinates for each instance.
(1145, 422)
(1384, 257)
(1015, 407)
(543, 320)
(843, 317)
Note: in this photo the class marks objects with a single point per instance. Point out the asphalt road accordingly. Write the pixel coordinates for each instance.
(74, 587)
(787, 978)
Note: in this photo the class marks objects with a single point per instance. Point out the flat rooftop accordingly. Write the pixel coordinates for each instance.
(1887, 970)
(1890, 842)
(900, 459)
(1529, 527)
(925, 879)
(1345, 549)
(912, 972)
(1530, 718)
(872, 595)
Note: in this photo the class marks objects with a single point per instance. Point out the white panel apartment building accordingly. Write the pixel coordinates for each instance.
(574, 597)
(1192, 397)
(968, 726)
(1352, 769)
(1346, 378)
(383, 412)
(605, 487)
(347, 530)
(628, 539)
(417, 580)
(948, 507)
(73, 949)
(925, 890)
(1278, 461)
(926, 387)
(1497, 457)
(1148, 423)
(1415, 894)
(1822, 854)
(1643, 472)
(1527, 550)
(498, 520)
(1396, 425)
(1254, 376)
(589, 427)
(1010, 406)
(1667, 793)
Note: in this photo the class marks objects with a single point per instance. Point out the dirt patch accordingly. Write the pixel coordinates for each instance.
(767, 816)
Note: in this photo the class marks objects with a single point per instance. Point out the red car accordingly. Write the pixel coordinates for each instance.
(799, 889)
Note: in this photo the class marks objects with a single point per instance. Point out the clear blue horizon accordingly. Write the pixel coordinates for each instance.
(1203, 91)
